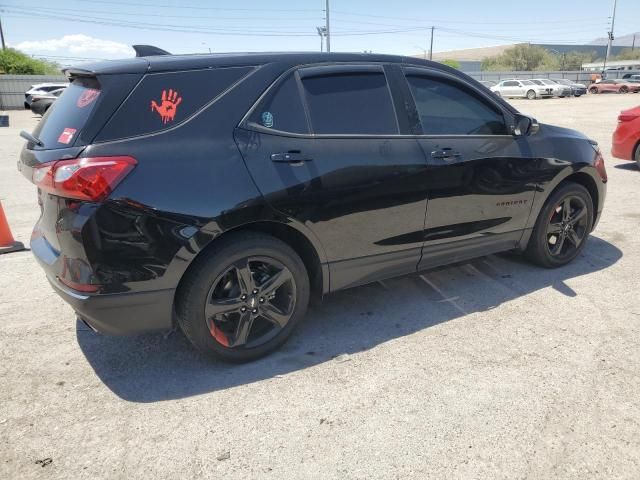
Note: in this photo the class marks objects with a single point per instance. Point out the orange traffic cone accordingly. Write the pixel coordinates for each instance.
(7, 243)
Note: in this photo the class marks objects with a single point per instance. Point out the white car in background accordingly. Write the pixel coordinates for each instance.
(514, 88)
(558, 90)
(42, 89)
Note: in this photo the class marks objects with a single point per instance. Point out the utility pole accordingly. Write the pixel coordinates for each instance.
(4, 47)
(431, 49)
(613, 22)
(321, 32)
(327, 28)
(633, 44)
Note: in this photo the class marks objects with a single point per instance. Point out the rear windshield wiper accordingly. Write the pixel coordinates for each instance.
(30, 138)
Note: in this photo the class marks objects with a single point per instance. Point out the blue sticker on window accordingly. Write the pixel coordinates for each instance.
(267, 119)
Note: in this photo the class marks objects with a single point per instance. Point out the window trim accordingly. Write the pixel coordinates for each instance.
(448, 78)
(318, 70)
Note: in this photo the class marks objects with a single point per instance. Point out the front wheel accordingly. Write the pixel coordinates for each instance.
(562, 227)
(244, 299)
(637, 155)
(593, 90)
(531, 95)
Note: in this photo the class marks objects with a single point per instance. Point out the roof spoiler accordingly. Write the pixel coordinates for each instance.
(148, 50)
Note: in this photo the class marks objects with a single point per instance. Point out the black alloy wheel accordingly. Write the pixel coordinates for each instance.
(562, 227)
(250, 303)
(243, 298)
(568, 227)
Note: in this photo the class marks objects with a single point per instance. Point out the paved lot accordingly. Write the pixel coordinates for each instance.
(492, 369)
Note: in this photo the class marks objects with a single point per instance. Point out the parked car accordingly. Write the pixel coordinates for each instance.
(628, 76)
(577, 89)
(557, 89)
(41, 89)
(615, 85)
(41, 103)
(626, 138)
(223, 192)
(514, 88)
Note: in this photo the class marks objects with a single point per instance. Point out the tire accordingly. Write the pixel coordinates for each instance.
(531, 95)
(637, 155)
(542, 243)
(206, 281)
(593, 90)
(623, 89)
(578, 95)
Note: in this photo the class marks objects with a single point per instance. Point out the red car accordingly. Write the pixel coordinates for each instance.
(626, 138)
(619, 86)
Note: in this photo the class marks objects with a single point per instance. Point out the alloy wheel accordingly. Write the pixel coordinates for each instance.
(568, 227)
(250, 303)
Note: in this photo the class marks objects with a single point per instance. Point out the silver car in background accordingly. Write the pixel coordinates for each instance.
(514, 88)
(557, 89)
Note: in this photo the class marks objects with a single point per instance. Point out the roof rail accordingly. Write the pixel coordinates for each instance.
(148, 50)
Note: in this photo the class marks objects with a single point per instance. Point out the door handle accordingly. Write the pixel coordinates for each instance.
(445, 154)
(294, 158)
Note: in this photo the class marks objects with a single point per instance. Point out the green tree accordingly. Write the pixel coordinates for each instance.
(574, 60)
(15, 62)
(451, 63)
(627, 54)
(522, 57)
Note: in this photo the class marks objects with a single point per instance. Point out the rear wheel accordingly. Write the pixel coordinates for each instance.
(531, 95)
(623, 89)
(562, 227)
(243, 300)
(593, 90)
(637, 155)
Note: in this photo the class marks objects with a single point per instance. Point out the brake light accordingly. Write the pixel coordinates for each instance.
(599, 164)
(627, 117)
(90, 179)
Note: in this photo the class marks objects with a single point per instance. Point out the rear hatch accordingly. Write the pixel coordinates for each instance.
(71, 124)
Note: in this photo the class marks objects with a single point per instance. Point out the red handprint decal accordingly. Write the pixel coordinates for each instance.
(168, 105)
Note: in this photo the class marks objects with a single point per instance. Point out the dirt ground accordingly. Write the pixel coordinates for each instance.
(492, 369)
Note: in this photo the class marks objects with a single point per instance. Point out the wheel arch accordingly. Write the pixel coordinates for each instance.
(294, 238)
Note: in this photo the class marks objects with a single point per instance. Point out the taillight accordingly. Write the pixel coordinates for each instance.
(602, 171)
(627, 117)
(90, 179)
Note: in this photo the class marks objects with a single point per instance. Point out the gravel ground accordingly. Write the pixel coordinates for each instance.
(491, 369)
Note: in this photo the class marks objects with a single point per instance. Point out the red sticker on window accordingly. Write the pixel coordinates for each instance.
(168, 105)
(87, 97)
(66, 136)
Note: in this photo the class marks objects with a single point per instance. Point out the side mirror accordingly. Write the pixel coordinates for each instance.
(524, 125)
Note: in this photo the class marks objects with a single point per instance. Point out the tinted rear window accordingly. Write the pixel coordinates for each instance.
(282, 109)
(350, 103)
(162, 100)
(66, 118)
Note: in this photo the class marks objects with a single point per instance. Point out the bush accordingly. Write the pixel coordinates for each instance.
(14, 62)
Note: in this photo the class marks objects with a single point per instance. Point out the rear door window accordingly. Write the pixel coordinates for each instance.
(282, 109)
(163, 100)
(355, 103)
(62, 124)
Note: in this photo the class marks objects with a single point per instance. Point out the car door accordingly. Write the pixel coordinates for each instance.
(480, 178)
(325, 148)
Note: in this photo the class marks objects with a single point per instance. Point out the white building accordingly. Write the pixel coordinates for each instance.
(613, 65)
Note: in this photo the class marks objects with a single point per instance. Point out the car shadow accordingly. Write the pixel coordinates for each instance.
(628, 166)
(157, 367)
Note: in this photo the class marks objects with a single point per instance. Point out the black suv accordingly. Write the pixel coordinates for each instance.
(223, 192)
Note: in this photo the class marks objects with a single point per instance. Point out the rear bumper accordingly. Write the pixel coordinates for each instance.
(121, 313)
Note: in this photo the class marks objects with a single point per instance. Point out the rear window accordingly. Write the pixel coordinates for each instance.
(350, 103)
(163, 100)
(64, 121)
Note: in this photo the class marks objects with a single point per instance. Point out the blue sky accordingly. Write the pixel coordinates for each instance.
(103, 28)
